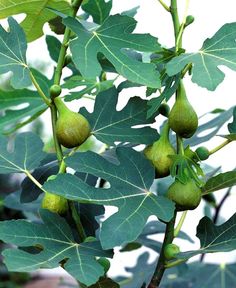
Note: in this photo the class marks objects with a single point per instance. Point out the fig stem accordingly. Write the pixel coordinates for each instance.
(180, 224)
(40, 91)
(174, 263)
(166, 7)
(77, 220)
(160, 268)
(217, 148)
(182, 26)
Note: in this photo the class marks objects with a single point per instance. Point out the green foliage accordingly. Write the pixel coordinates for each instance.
(37, 14)
(13, 54)
(109, 39)
(98, 9)
(129, 187)
(213, 238)
(107, 123)
(218, 50)
(220, 181)
(57, 241)
(26, 156)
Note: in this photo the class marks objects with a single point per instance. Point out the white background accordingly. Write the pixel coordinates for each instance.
(152, 18)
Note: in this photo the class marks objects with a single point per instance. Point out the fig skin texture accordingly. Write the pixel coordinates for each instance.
(170, 251)
(72, 129)
(186, 196)
(158, 153)
(203, 153)
(54, 203)
(183, 119)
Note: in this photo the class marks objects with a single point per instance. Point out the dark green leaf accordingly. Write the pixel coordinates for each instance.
(13, 54)
(56, 238)
(110, 125)
(216, 51)
(111, 39)
(30, 191)
(214, 238)
(129, 191)
(98, 9)
(220, 181)
(26, 156)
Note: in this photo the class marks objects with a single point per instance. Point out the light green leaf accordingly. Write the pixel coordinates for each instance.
(220, 181)
(92, 87)
(57, 241)
(36, 12)
(214, 238)
(26, 156)
(112, 39)
(98, 9)
(216, 51)
(13, 54)
(129, 181)
(109, 125)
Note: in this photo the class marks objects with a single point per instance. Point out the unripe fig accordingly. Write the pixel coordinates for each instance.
(72, 128)
(183, 119)
(202, 153)
(189, 20)
(55, 90)
(164, 109)
(186, 196)
(105, 263)
(170, 251)
(54, 203)
(158, 153)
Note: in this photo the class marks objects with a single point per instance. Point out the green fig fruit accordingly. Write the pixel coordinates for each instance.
(202, 153)
(158, 153)
(54, 203)
(189, 20)
(170, 251)
(183, 119)
(55, 90)
(72, 128)
(186, 196)
(164, 109)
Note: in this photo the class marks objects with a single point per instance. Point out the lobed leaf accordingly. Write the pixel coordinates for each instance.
(26, 156)
(111, 39)
(56, 239)
(13, 48)
(98, 9)
(109, 125)
(129, 191)
(216, 51)
(36, 12)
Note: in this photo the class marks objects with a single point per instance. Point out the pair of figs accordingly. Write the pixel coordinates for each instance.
(72, 129)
